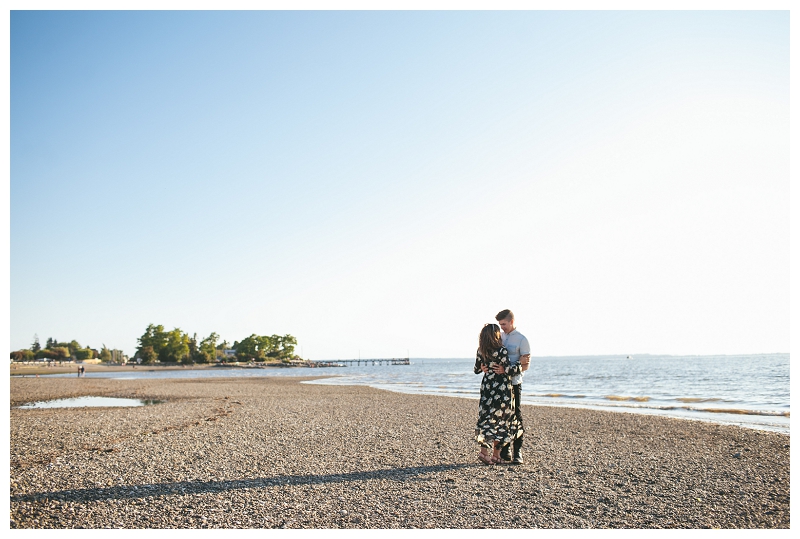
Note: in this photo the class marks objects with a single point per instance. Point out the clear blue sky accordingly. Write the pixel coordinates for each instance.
(383, 182)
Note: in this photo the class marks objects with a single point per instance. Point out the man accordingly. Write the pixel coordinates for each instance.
(519, 351)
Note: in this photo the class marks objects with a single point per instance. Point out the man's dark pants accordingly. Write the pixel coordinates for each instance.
(506, 453)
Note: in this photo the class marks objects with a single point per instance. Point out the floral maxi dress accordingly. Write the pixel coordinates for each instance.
(496, 418)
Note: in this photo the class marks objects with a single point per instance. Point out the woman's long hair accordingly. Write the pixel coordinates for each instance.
(489, 341)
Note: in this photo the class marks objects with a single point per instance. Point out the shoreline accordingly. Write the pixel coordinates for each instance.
(777, 429)
(733, 417)
(267, 452)
(598, 408)
(29, 370)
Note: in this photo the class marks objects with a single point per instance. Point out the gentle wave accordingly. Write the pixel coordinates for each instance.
(621, 402)
(738, 411)
(628, 402)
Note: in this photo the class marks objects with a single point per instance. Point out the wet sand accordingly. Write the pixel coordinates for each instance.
(271, 453)
(21, 369)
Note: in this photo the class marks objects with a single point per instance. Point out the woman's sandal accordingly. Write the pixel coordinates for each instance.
(486, 459)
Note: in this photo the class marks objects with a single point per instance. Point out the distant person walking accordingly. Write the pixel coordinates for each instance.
(497, 424)
(519, 353)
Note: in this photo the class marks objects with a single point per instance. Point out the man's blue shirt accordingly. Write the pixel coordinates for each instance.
(517, 345)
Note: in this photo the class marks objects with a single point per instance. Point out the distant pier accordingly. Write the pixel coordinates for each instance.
(359, 362)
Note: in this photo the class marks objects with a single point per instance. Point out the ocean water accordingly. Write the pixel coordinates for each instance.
(89, 402)
(746, 390)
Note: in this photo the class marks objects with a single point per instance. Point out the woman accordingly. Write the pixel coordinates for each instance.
(497, 422)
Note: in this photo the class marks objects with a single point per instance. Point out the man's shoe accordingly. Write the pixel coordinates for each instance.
(505, 454)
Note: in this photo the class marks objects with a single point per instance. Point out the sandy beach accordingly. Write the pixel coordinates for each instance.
(22, 370)
(272, 453)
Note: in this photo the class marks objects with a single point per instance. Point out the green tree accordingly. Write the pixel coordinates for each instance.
(84, 353)
(193, 350)
(177, 347)
(155, 337)
(271, 345)
(23, 355)
(35, 347)
(45, 353)
(73, 347)
(169, 346)
(220, 351)
(259, 347)
(57, 353)
(281, 346)
(286, 345)
(147, 355)
(252, 347)
(207, 350)
(105, 354)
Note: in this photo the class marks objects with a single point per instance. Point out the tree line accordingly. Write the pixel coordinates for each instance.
(176, 346)
(61, 351)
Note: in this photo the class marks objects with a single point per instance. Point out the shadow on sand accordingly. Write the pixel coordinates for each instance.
(199, 487)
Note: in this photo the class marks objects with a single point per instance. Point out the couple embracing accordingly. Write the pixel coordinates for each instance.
(502, 358)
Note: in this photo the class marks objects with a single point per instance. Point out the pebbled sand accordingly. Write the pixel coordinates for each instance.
(270, 452)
